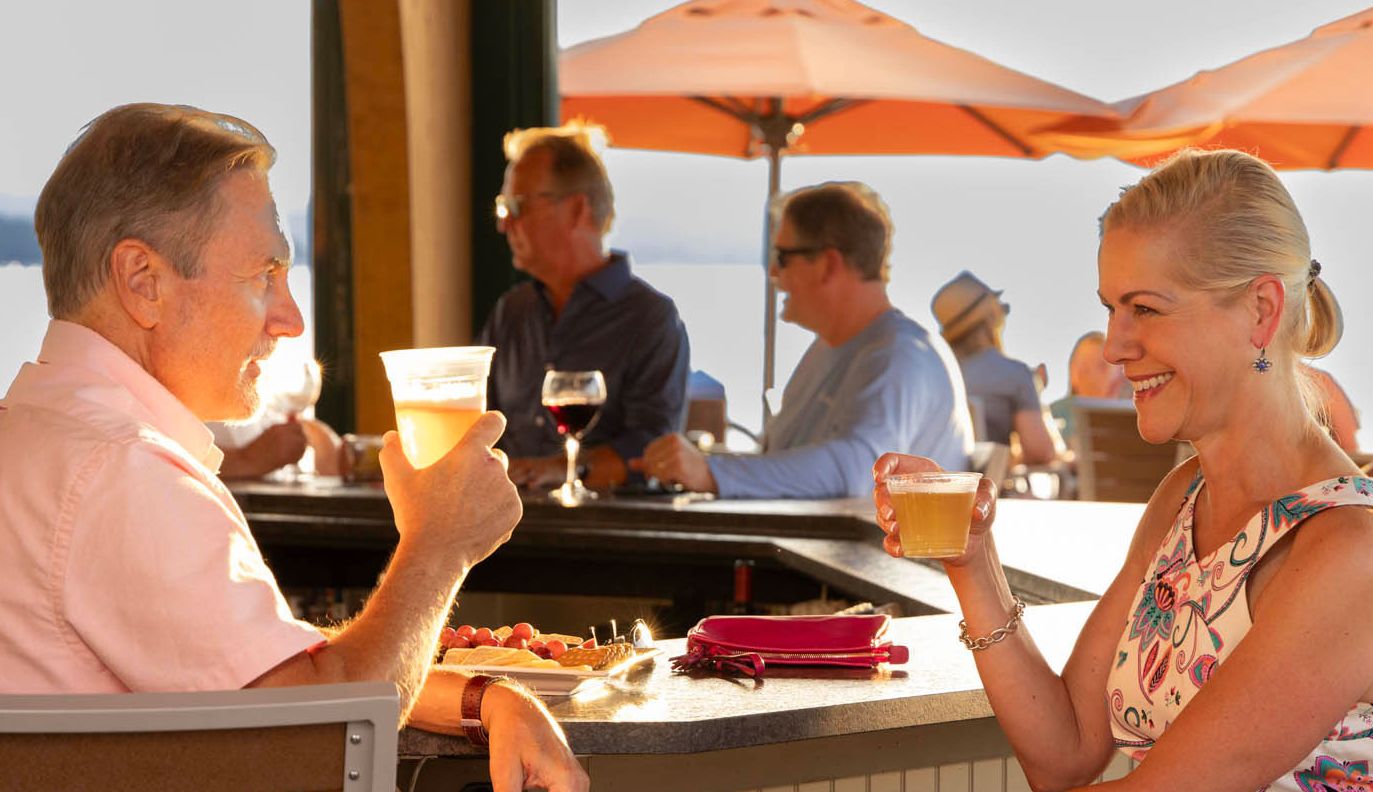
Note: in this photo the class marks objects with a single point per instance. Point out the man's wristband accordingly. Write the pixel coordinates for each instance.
(471, 710)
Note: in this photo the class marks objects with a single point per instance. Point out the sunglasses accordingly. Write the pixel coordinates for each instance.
(510, 207)
(781, 254)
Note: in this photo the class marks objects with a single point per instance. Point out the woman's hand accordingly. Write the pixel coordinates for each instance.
(984, 505)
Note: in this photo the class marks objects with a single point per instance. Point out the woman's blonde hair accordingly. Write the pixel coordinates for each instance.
(1240, 223)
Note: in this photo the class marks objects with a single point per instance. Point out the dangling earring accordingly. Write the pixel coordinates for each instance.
(1262, 363)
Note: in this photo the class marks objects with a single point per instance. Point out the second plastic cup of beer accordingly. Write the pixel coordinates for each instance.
(933, 512)
(439, 393)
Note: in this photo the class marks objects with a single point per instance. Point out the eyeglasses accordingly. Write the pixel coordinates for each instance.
(510, 207)
(780, 254)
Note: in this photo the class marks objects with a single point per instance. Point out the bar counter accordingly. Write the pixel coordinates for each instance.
(795, 726)
(923, 725)
(1054, 551)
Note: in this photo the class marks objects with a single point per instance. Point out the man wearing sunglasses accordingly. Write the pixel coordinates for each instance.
(872, 381)
(583, 310)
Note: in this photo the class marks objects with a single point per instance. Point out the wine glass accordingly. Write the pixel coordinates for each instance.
(574, 398)
(290, 387)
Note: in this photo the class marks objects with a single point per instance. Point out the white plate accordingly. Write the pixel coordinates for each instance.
(561, 681)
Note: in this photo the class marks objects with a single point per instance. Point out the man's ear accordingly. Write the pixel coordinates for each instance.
(582, 215)
(138, 276)
(834, 264)
(1267, 296)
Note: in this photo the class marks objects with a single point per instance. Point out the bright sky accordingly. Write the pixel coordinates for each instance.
(1027, 227)
(63, 62)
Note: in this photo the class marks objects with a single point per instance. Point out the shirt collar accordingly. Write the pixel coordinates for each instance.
(71, 344)
(611, 280)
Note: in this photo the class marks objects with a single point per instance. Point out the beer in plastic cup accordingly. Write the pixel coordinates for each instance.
(933, 512)
(439, 393)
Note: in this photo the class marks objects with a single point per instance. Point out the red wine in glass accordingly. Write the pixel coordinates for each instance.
(573, 398)
(574, 419)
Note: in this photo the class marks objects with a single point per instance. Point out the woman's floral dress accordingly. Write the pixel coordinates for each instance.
(1190, 614)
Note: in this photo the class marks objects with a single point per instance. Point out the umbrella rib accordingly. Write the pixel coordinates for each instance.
(1338, 154)
(830, 108)
(998, 129)
(730, 106)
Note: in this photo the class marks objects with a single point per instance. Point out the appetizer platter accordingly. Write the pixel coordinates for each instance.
(550, 664)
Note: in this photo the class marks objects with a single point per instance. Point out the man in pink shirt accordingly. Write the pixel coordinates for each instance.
(127, 564)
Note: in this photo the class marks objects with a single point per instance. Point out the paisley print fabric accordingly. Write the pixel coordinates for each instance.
(1189, 615)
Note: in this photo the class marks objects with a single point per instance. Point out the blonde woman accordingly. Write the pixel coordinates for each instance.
(1226, 655)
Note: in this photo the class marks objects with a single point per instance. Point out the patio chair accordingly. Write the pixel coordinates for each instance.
(1113, 462)
(312, 737)
(992, 460)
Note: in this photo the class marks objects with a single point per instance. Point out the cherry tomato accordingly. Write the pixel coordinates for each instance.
(446, 636)
(466, 630)
(535, 646)
(589, 643)
(460, 642)
(524, 630)
(515, 642)
(483, 634)
(555, 649)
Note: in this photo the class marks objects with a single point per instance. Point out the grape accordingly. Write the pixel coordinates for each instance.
(524, 630)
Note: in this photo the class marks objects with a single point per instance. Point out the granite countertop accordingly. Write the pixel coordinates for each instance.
(654, 711)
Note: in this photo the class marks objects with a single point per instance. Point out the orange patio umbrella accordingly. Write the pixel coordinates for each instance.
(1306, 104)
(752, 78)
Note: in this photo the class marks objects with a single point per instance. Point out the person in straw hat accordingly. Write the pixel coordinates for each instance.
(972, 318)
(1225, 655)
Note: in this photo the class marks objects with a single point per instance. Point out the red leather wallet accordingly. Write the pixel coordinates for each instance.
(748, 644)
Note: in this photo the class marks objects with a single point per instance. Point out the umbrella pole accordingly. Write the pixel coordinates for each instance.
(769, 289)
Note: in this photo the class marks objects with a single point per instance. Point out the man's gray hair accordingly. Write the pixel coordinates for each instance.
(140, 171)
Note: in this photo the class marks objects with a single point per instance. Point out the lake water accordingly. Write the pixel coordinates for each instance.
(722, 307)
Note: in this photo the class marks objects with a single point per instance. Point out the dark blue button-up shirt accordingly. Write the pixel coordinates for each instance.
(614, 323)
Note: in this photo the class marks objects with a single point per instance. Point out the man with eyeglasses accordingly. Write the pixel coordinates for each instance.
(583, 310)
(872, 381)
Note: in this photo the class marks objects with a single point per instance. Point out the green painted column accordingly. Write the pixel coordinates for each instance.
(514, 85)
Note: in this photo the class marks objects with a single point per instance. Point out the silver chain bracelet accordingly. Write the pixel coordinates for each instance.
(995, 636)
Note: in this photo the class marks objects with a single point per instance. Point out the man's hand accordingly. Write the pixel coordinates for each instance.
(528, 748)
(538, 472)
(278, 446)
(328, 446)
(462, 507)
(672, 459)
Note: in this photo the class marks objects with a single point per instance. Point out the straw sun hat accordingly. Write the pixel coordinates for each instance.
(964, 303)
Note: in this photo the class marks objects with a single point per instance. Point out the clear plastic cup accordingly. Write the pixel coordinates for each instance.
(439, 393)
(933, 512)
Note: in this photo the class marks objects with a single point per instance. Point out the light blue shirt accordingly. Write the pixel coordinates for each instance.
(892, 387)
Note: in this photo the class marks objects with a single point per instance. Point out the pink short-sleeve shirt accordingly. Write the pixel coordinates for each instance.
(127, 564)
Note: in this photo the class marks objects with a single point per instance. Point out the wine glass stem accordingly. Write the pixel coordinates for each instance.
(573, 446)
